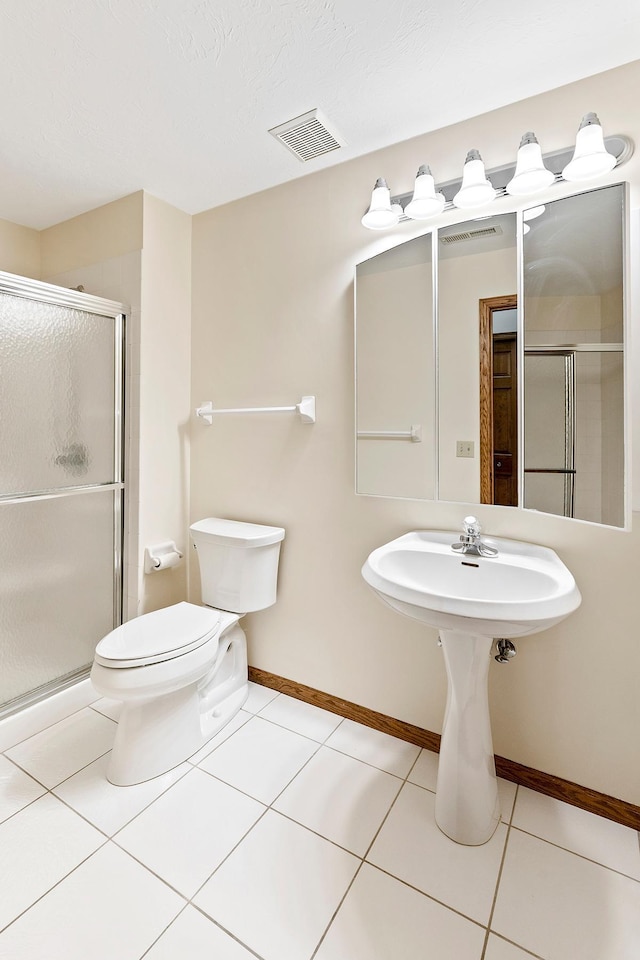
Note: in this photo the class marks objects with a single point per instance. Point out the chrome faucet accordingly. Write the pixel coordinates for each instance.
(471, 541)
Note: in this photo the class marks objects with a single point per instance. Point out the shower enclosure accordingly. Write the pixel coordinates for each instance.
(61, 484)
(574, 441)
(549, 429)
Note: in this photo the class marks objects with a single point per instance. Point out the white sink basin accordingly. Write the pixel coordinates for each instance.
(470, 599)
(524, 589)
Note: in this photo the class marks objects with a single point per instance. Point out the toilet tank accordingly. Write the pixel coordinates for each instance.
(238, 563)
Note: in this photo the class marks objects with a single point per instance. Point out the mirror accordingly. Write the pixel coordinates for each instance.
(574, 357)
(477, 276)
(395, 373)
(524, 402)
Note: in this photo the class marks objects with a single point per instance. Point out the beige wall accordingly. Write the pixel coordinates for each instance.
(19, 250)
(138, 250)
(164, 396)
(272, 320)
(101, 234)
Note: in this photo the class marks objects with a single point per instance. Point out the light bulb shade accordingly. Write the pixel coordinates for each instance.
(591, 158)
(380, 215)
(476, 190)
(425, 203)
(531, 176)
(533, 212)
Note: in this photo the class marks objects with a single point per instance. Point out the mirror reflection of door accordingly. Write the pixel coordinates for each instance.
(499, 401)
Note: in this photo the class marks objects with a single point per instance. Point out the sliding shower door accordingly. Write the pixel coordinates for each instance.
(549, 431)
(61, 483)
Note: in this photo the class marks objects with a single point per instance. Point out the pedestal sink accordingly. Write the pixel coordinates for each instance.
(471, 599)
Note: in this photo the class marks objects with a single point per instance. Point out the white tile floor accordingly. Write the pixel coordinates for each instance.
(293, 835)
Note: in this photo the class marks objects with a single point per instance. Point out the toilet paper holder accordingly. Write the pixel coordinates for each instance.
(161, 556)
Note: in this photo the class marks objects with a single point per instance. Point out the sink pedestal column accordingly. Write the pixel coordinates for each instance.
(467, 805)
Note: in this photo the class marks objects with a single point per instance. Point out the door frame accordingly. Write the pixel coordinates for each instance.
(486, 309)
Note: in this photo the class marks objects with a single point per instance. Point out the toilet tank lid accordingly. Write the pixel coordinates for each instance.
(237, 532)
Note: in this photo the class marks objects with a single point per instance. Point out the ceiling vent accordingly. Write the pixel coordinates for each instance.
(472, 234)
(307, 137)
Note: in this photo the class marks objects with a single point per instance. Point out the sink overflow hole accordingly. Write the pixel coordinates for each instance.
(465, 563)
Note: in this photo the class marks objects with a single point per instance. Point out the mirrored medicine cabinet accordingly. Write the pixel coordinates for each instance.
(490, 361)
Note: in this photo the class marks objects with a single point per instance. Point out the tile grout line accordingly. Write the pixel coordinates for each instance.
(574, 853)
(429, 896)
(83, 767)
(220, 780)
(189, 900)
(499, 877)
(344, 753)
(49, 791)
(403, 781)
(519, 946)
(110, 836)
(362, 862)
(337, 910)
(149, 870)
(162, 932)
(267, 807)
(363, 859)
(224, 740)
(217, 923)
(53, 886)
(320, 744)
(281, 726)
(292, 820)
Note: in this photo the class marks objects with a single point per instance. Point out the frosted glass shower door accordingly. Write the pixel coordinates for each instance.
(61, 483)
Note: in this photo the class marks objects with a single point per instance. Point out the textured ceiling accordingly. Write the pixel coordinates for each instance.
(104, 97)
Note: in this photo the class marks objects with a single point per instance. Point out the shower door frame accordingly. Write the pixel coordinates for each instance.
(28, 289)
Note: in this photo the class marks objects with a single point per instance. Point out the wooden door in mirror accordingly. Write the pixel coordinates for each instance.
(498, 401)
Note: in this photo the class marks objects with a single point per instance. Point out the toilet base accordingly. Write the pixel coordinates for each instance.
(157, 734)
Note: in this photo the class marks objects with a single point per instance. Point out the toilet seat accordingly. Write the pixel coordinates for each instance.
(158, 636)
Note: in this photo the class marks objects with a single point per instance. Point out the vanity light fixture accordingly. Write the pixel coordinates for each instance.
(425, 203)
(533, 212)
(532, 172)
(476, 189)
(531, 175)
(380, 214)
(591, 158)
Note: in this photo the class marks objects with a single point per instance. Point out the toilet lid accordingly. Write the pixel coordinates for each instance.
(158, 636)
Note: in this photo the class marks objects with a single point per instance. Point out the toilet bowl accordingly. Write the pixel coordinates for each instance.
(181, 672)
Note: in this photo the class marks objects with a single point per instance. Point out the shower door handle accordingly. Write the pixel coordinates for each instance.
(75, 460)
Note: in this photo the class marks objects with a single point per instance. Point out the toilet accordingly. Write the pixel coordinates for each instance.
(181, 672)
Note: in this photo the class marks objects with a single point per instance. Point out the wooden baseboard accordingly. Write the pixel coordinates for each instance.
(628, 814)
